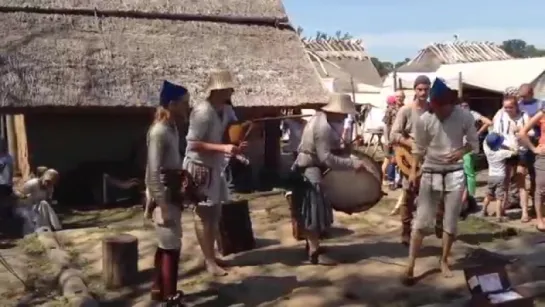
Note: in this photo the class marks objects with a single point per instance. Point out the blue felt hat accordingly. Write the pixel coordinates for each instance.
(171, 92)
(439, 91)
(494, 141)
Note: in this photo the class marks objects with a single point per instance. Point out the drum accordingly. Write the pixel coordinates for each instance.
(350, 191)
(404, 159)
(372, 166)
(236, 233)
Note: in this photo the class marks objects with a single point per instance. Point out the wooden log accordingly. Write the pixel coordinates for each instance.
(119, 260)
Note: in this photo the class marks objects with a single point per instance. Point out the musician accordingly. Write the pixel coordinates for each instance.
(403, 134)
(439, 144)
(316, 153)
(204, 160)
(164, 162)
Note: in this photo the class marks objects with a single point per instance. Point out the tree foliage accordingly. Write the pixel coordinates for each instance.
(518, 48)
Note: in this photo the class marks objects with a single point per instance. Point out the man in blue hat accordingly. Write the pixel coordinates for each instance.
(163, 183)
(439, 147)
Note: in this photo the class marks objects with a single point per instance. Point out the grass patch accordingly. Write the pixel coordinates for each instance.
(100, 217)
(31, 246)
(478, 231)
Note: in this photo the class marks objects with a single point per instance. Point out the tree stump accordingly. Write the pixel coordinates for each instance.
(119, 260)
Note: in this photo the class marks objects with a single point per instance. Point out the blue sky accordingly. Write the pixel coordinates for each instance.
(395, 29)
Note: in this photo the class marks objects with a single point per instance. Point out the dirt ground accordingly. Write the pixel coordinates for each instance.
(276, 272)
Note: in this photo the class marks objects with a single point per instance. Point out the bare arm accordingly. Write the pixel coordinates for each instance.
(523, 134)
(486, 122)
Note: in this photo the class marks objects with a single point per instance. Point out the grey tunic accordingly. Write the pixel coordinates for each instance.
(435, 139)
(207, 125)
(318, 141)
(164, 154)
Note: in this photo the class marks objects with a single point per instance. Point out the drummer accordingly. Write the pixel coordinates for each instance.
(316, 153)
(440, 145)
(402, 133)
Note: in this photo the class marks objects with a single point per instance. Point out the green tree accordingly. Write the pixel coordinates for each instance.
(383, 68)
(401, 63)
(518, 48)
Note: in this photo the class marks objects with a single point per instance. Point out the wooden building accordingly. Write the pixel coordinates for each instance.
(82, 77)
(434, 55)
(345, 63)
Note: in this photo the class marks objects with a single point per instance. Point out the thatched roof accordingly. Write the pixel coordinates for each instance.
(72, 58)
(434, 55)
(345, 60)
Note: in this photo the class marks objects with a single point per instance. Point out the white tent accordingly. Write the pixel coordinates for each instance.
(498, 75)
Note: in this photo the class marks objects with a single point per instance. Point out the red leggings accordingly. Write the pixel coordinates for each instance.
(165, 277)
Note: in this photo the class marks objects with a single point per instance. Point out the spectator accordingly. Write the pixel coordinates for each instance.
(496, 154)
(6, 180)
(469, 158)
(508, 121)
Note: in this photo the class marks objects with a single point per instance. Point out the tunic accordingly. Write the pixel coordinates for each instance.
(36, 209)
(206, 124)
(164, 154)
(318, 142)
(404, 125)
(434, 140)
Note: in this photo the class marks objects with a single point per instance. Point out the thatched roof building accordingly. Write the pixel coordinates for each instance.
(104, 53)
(434, 55)
(346, 61)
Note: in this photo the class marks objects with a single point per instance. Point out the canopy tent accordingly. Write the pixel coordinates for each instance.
(496, 76)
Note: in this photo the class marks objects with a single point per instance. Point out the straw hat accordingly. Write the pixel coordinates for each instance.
(340, 103)
(220, 80)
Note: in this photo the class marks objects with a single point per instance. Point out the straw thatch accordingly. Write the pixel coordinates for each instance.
(345, 60)
(254, 8)
(434, 55)
(72, 60)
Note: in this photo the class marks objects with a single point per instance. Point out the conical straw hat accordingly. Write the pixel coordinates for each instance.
(220, 80)
(340, 103)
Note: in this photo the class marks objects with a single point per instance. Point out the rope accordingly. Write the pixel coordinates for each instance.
(10, 269)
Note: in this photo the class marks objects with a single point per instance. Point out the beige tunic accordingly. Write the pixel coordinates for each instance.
(164, 154)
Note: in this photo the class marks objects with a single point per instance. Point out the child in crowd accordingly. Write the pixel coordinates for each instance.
(496, 154)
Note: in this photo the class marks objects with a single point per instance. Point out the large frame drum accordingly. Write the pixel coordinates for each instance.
(350, 191)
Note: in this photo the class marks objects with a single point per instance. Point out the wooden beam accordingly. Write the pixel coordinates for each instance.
(12, 143)
(460, 86)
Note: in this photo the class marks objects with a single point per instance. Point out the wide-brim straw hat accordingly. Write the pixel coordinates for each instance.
(340, 103)
(220, 79)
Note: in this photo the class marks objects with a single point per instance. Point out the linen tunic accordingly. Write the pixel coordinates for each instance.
(164, 154)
